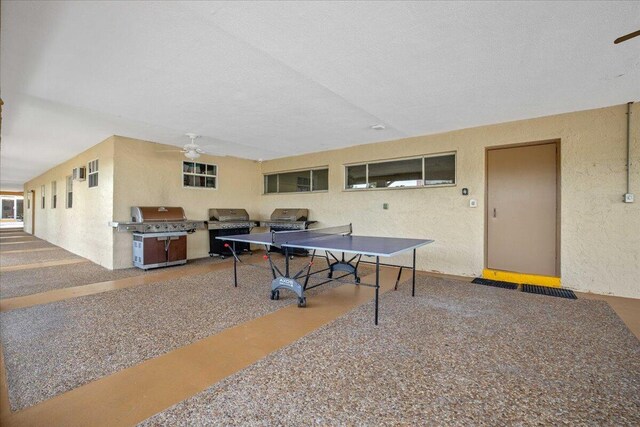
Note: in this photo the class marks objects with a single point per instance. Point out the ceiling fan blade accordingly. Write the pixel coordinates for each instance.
(627, 37)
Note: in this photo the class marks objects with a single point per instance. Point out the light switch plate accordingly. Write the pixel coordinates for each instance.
(473, 203)
(628, 198)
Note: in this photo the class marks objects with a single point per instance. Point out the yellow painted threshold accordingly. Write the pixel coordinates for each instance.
(531, 279)
(19, 251)
(136, 393)
(110, 285)
(42, 264)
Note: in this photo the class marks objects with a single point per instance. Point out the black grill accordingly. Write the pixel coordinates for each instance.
(227, 222)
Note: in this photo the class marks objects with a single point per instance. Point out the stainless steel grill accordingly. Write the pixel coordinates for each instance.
(157, 219)
(159, 235)
(288, 219)
(229, 218)
(226, 222)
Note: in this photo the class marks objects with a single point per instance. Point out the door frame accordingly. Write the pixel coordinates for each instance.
(32, 195)
(557, 142)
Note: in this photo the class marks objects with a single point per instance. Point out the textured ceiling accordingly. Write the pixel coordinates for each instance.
(267, 80)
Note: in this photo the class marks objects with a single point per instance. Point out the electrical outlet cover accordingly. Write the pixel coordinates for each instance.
(629, 198)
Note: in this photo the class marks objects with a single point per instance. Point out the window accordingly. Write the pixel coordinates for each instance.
(296, 182)
(69, 191)
(200, 175)
(93, 173)
(12, 207)
(54, 195)
(422, 171)
(42, 196)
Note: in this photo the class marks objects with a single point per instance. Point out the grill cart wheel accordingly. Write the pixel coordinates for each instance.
(302, 302)
(275, 295)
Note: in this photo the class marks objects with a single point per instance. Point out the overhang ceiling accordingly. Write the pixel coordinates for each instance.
(272, 79)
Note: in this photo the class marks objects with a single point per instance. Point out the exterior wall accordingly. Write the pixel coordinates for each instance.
(147, 176)
(600, 235)
(81, 229)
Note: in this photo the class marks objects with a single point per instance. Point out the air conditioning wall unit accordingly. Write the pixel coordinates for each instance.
(79, 174)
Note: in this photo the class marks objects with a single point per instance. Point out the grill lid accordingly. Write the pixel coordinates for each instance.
(290, 214)
(228, 215)
(157, 213)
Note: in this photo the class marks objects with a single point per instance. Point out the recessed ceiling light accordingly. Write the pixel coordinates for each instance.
(378, 127)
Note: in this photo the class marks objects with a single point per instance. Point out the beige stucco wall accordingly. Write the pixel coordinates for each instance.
(81, 228)
(147, 176)
(600, 235)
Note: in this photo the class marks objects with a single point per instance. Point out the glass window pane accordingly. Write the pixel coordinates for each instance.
(398, 173)
(211, 170)
(292, 182)
(201, 181)
(7, 208)
(19, 209)
(320, 179)
(201, 168)
(357, 176)
(440, 170)
(211, 182)
(187, 167)
(270, 184)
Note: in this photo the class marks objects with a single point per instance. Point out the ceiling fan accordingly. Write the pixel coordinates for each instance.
(192, 150)
(626, 37)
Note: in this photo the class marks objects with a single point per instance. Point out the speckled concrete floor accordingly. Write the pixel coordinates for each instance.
(33, 281)
(56, 347)
(456, 354)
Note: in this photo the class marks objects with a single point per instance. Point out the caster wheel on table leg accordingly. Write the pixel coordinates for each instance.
(357, 280)
(302, 302)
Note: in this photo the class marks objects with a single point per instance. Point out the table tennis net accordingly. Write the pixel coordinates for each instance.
(283, 237)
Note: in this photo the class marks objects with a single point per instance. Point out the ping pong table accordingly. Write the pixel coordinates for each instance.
(331, 241)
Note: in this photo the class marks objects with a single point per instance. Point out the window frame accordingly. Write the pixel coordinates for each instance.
(216, 176)
(422, 160)
(69, 192)
(43, 197)
(277, 174)
(94, 162)
(54, 194)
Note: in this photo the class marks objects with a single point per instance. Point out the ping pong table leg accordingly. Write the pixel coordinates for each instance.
(286, 262)
(377, 285)
(413, 288)
(235, 266)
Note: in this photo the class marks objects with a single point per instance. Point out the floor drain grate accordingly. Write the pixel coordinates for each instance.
(544, 290)
(494, 283)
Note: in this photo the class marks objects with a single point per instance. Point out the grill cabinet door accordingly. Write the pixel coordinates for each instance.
(154, 252)
(177, 249)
